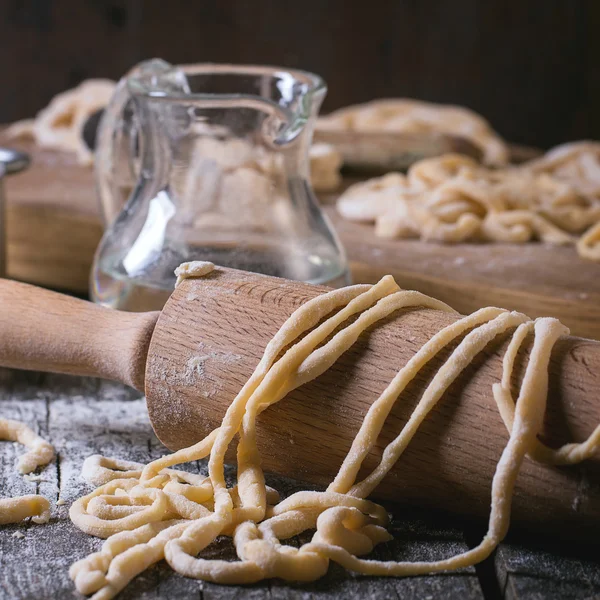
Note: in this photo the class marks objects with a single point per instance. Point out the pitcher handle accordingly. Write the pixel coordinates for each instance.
(114, 188)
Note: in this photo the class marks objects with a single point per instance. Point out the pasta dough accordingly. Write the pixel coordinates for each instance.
(575, 162)
(414, 116)
(196, 268)
(452, 199)
(59, 126)
(13, 510)
(152, 512)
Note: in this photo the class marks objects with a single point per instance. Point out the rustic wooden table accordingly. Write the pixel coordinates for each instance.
(86, 416)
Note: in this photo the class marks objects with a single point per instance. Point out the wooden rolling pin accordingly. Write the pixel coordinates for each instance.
(193, 358)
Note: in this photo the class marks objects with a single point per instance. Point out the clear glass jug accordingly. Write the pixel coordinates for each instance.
(209, 162)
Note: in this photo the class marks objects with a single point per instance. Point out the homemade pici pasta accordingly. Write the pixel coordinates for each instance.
(152, 512)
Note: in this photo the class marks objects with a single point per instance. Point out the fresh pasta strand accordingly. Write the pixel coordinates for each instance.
(41, 452)
(154, 512)
(380, 409)
(569, 454)
(528, 420)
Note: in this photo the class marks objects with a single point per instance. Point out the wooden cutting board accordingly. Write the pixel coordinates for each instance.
(54, 226)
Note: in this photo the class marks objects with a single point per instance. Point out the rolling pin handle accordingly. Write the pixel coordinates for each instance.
(46, 331)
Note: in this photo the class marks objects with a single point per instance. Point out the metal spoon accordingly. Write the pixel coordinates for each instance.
(11, 161)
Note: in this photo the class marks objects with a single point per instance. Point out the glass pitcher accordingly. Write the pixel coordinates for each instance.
(209, 162)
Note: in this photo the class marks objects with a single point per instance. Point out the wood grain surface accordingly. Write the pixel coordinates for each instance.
(222, 322)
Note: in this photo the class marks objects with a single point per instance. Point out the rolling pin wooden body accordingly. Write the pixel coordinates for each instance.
(210, 336)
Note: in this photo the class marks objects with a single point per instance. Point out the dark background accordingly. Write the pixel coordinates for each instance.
(530, 66)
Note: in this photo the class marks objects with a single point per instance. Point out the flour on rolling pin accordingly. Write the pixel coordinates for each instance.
(195, 268)
(195, 366)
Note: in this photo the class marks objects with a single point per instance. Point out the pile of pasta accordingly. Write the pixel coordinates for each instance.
(154, 512)
(452, 199)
